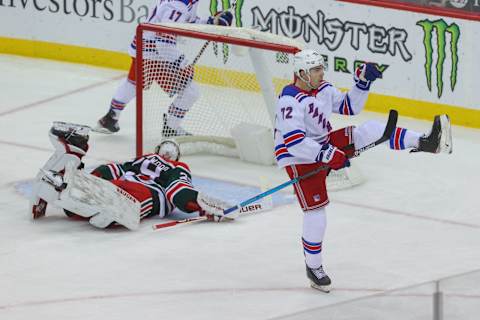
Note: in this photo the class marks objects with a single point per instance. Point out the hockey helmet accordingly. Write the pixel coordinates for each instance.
(168, 149)
(306, 60)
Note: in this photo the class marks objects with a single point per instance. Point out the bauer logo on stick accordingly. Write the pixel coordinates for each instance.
(251, 208)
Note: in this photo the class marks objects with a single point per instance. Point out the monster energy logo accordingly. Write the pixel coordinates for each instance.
(228, 5)
(236, 7)
(441, 29)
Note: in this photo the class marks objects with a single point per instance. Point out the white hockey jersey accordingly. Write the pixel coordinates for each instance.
(302, 120)
(181, 11)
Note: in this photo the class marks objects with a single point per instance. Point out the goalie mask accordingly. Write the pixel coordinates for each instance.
(169, 150)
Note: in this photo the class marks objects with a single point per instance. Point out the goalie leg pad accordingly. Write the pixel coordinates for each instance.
(58, 161)
(72, 137)
(43, 192)
(71, 143)
(87, 195)
(101, 220)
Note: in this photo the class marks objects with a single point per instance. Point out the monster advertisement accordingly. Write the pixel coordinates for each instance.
(423, 57)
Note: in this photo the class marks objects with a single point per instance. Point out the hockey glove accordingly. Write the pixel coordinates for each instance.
(222, 18)
(193, 206)
(212, 207)
(365, 74)
(333, 157)
(211, 217)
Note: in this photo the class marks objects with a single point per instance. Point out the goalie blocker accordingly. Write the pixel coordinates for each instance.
(116, 193)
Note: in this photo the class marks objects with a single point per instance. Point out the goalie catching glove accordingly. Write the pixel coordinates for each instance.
(213, 208)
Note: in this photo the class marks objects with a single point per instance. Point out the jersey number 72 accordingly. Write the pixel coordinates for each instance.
(287, 112)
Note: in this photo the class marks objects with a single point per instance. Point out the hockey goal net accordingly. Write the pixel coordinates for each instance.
(213, 89)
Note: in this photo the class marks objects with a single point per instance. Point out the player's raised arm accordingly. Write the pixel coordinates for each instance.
(352, 102)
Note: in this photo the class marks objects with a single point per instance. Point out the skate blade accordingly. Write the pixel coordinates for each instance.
(446, 138)
(325, 289)
(98, 128)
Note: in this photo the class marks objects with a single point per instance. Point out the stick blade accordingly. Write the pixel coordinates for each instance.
(390, 127)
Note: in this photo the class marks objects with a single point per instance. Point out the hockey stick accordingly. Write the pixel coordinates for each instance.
(174, 223)
(205, 45)
(200, 53)
(389, 129)
(197, 57)
(244, 210)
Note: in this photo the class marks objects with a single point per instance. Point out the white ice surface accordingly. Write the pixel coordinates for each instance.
(416, 219)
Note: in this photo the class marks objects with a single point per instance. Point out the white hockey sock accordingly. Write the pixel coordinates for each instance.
(181, 104)
(404, 139)
(367, 132)
(175, 116)
(314, 225)
(124, 94)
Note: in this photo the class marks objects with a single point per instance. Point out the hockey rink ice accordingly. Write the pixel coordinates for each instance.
(416, 219)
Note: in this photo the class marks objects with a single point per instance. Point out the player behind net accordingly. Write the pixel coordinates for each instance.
(116, 193)
(305, 140)
(164, 64)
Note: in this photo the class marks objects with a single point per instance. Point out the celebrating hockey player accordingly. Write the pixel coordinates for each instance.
(305, 140)
(124, 193)
(169, 67)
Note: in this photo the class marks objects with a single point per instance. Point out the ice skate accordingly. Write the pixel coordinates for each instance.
(319, 279)
(107, 124)
(439, 139)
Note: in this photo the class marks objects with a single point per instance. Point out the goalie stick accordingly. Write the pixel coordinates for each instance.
(174, 223)
(389, 129)
(249, 209)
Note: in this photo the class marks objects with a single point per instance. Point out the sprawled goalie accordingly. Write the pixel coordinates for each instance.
(116, 193)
